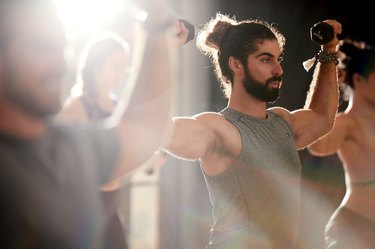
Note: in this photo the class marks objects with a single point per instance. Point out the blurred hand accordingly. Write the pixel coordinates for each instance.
(180, 33)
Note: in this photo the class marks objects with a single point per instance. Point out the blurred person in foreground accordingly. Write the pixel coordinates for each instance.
(51, 171)
(101, 75)
(249, 154)
(352, 225)
(101, 72)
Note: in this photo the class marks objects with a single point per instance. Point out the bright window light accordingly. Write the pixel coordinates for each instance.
(87, 16)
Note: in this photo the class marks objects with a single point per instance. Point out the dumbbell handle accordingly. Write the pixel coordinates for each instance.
(322, 33)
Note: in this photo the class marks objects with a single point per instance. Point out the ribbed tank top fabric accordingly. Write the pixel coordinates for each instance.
(256, 202)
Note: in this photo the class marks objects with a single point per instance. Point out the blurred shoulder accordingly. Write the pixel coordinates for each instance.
(73, 110)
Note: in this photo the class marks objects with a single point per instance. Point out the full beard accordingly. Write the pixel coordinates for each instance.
(261, 91)
(30, 103)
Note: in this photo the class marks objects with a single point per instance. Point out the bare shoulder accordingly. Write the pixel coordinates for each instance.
(223, 129)
(284, 113)
(213, 119)
(73, 110)
(209, 116)
(227, 143)
(346, 120)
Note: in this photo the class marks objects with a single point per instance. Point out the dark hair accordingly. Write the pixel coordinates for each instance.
(223, 37)
(358, 58)
(93, 55)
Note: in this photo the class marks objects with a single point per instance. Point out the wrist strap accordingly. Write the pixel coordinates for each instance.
(328, 57)
(322, 57)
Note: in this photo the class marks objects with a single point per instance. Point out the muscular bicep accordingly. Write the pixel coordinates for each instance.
(330, 143)
(307, 126)
(192, 138)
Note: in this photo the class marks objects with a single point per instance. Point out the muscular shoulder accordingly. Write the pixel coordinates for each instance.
(215, 120)
(224, 129)
(345, 121)
(227, 146)
(283, 113)
(209, 117)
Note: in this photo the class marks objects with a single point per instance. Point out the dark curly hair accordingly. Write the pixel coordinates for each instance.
(223, 37)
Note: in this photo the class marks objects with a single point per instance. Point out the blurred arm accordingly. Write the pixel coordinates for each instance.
(145, 124)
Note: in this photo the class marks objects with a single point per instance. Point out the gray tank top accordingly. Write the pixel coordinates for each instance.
(256, 202)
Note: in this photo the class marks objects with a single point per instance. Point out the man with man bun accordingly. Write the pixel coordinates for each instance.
(249, 154)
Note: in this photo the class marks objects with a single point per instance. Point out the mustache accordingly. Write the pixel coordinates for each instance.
(274, 78)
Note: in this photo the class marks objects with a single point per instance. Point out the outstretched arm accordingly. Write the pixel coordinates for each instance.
(193, 138)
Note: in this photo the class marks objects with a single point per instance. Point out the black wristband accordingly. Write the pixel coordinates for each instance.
(327, 57)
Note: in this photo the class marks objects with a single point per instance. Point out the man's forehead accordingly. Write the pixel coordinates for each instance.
(268, 47)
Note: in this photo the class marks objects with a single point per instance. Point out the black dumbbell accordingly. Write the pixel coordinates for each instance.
(322, 32)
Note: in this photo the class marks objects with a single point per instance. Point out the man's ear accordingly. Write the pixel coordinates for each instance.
(235, 65)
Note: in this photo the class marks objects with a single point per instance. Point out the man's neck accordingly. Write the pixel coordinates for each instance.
(248, 105)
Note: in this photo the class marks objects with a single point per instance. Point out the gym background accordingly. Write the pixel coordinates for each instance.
(168, 208)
